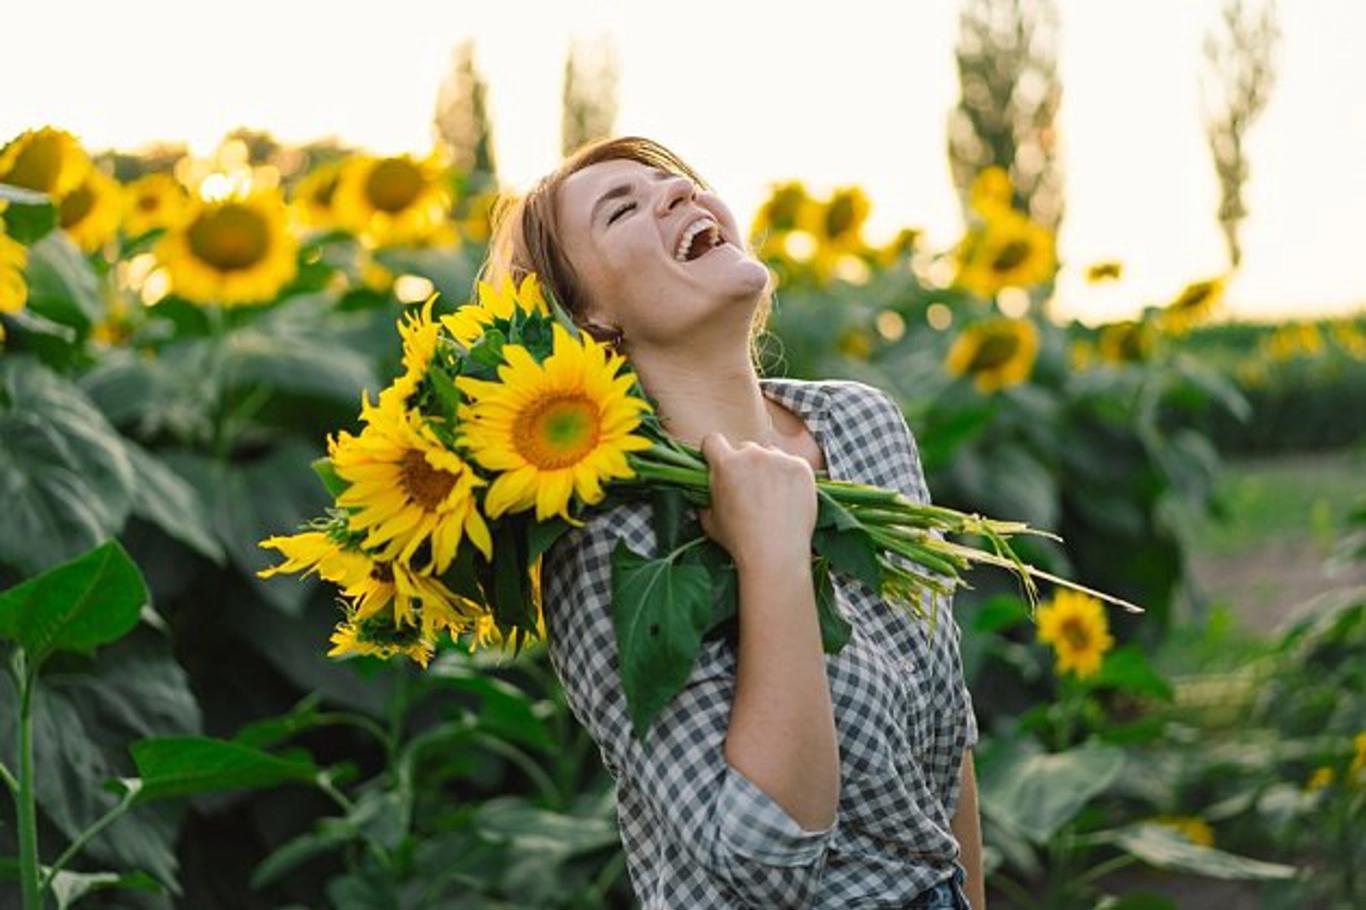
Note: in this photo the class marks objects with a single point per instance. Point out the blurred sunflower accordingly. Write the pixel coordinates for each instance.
(312, 197)
(552, 429)
(468, 322)
(232, 251)
(855, 342)
(153, 201)
(1349, 338)
(1127, 341)
(788, 208)
(996, 352)
(13, 260)
(1193, 306)
(407, 488)
(476, 224)
(1291, 340)
(1011, 250)
(890, 253)
(1109, 270)
(393, 200)
(991, 191)
(1196, 829)
(1356, 771)
(1322, 777)
(1081, 353)
(837, 224)
(47, 159)
(1075, 625)
(91, 212)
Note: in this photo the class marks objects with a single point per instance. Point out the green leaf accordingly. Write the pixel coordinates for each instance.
(851, 551)
(504, 710)
(999, 612)
(85, 712)
(1165, 848)
(669, 511)
(29, 216)
(332, 481)
(65, 475)
(1128, 669)
(835, 629)
(448, 396)
(659, 610)
(1036, 793)
(172, 766)
(61, 282)
(164, 498)
(68, 887)
(77, 606)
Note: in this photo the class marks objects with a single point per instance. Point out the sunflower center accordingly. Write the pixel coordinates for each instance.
(381, 630)
(839, 217)
(76, 205)
(382, 572)
(559, 432)
(1075, 634)
(1010, 256)
(148, 203)
(230, 237)
(1194, 296)
(996, 349)
(393, 184)
(428, 486)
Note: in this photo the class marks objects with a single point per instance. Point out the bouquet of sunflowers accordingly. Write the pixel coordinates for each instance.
(506, 428)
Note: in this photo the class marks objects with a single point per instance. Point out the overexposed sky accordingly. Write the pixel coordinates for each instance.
(756, 92)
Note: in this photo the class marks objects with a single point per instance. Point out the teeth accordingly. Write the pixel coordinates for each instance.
(701, 224)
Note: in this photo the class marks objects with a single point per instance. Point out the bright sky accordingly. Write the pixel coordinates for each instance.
(755, 92)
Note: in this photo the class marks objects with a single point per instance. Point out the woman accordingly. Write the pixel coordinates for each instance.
(780, 776)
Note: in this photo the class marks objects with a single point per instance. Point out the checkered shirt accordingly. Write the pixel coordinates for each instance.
(698, 834)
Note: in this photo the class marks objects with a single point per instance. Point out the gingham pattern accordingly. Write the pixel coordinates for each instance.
(698, 834)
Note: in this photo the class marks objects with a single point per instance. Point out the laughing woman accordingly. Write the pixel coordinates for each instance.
(781, 776)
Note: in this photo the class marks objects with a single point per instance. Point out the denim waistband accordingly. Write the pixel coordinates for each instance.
(946, 895)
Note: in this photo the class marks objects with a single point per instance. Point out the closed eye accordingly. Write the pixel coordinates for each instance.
(621, 211)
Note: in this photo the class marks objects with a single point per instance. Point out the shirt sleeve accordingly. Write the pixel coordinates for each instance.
(908, 476)
(725, 822)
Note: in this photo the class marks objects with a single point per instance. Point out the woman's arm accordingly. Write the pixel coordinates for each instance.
(967, 828)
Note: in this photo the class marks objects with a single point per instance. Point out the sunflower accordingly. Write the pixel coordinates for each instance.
(1081, 353)
(1109, 270)
(312, 196)
(997, 352)
(470, 321)
(153, 201)
(91, 212)
(1075, 625)
(1322, 777)
(1010, 251)
(1293, 339)
(236, 250)
(378, 637)
(1126, 341)
(554, 428)
(393, 200)
(420, 337)
(991, 191)
(48, 160)
(890, 253)
(407, 487)
(477, 223)
(13, 260)
(1357, 769)
(1194, 305)
(1196, 829)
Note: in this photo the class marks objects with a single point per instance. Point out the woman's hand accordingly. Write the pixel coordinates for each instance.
(763, 501)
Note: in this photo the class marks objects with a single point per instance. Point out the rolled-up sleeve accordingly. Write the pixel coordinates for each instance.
(752, 847)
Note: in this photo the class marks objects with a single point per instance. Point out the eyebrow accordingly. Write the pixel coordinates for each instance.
(621, 189)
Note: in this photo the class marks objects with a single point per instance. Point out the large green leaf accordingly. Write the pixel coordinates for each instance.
(1035, 793)
(1161, 846)
(660, 608)
(77, 606)
(61, 283)
(185, 765)
(29, 215)
(164, 498)
(85, 712)
(250, 501)
(66, 480)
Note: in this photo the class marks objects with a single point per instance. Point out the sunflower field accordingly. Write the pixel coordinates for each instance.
(179, 337)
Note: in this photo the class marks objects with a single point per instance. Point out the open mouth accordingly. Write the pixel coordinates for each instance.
(703, 242)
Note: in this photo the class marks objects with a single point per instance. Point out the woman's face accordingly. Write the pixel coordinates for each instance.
(621, 222)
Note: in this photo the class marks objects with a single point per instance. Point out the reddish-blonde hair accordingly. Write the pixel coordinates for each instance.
(526, 231)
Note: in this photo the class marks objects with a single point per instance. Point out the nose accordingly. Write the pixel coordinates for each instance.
(675, 189)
